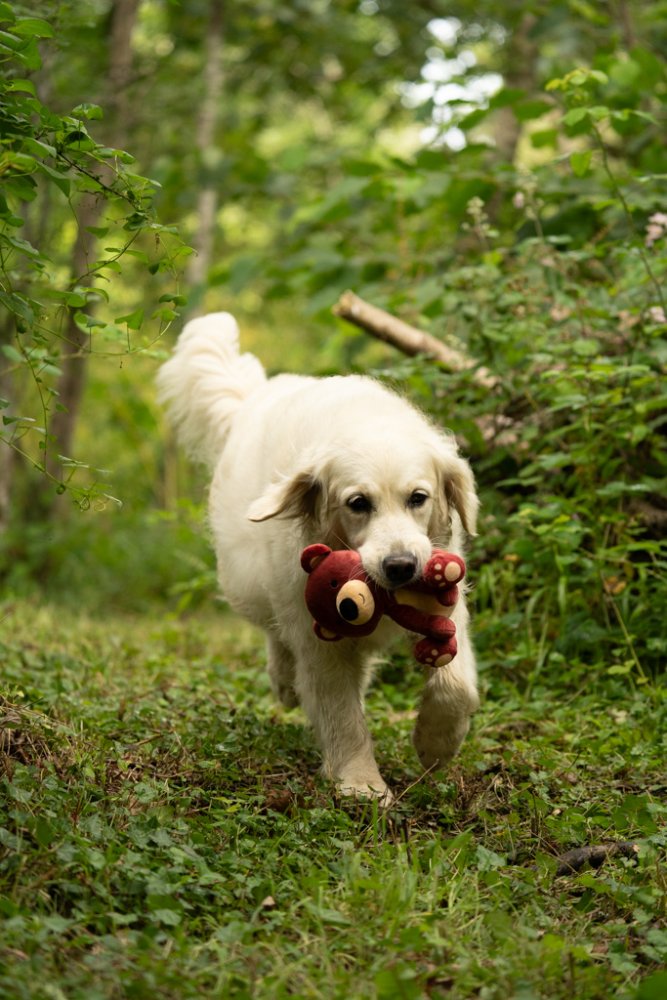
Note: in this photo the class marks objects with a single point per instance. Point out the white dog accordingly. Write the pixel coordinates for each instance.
(339, 460)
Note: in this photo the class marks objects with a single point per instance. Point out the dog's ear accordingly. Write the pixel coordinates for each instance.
(458, 485)
(295, 497)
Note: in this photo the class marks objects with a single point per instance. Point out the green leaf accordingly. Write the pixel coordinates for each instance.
(165, 315)
(12, 354)
(529, 110)
(10, 41)
(133, 320)
(599, 112)
(586, 347)
(43, 832)
(580, 162)
(91, 111)
(60, 180)
(625, 72)
(544, 137)
(621, 669)
(26, 86)
(653, 987)
(575, 115)
(588, 11)
(38, 148)
(33, 27)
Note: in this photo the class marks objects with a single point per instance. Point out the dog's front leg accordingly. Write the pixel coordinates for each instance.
(281, 671)
(330, 681)
(450, 697)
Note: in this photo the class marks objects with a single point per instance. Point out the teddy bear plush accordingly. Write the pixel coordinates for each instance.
(346, 603)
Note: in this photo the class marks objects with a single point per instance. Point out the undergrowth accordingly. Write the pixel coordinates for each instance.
(165, 832)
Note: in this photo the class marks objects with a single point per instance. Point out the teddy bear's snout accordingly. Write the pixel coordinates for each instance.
(355, 603)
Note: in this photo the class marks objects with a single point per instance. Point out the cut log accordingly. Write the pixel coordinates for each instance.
(408, 339)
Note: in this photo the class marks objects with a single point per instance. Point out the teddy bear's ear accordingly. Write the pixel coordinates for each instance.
(313, 556)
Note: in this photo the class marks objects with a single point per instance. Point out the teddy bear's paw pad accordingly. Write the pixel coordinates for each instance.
(444, 571)
(431, 655)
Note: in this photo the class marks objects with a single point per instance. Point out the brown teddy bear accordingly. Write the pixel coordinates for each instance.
(346, 603)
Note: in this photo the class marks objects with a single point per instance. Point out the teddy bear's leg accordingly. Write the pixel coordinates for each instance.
(281, 665)
(436, 652)
(330, 681)
(449, 699)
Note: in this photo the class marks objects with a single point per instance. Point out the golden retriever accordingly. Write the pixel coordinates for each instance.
(345, 461)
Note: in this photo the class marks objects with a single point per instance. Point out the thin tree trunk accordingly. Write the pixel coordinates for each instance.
(208, 198)
(519, 74)
(627, 26)
(72, 381)
(7, 463)
(522, 52)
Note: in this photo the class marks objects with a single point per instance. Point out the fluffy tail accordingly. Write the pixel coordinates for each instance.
(204, 383)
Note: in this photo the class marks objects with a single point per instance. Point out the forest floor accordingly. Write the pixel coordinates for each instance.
(164, 831)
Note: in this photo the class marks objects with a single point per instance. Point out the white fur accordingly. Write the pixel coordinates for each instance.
(287, 454)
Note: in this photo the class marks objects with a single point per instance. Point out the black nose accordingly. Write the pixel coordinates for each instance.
(400, 568)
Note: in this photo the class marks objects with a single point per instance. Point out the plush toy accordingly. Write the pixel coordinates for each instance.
(345, 602)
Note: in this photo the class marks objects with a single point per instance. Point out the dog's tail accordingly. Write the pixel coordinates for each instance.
(204, 383)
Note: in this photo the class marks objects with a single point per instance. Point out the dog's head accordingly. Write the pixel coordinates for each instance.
(391, 496)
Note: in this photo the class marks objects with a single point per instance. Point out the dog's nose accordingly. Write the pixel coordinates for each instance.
(400, 568)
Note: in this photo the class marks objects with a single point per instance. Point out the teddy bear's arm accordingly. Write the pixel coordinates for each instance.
(415, 620)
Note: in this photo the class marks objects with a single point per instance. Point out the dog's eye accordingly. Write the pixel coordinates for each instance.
(418, 498)
(359, 504)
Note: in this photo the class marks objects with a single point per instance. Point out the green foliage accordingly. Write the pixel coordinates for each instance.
(50, 165)
(551, 275)
(163, 830)
(154, 804)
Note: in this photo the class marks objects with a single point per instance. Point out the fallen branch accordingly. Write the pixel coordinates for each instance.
(574, 860)
(406, 338)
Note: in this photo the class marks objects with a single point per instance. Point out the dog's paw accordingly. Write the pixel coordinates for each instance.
(438, 741)
(364, 792)
(363, 783)
(287, 695)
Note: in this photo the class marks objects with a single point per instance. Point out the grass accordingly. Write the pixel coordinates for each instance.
(164, 831)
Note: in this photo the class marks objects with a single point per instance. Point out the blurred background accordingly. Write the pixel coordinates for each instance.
(492, 173)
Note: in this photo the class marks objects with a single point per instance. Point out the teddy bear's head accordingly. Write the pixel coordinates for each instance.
(338, 593)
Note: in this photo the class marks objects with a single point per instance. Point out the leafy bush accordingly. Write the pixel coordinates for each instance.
(63, 191)
(553, 279)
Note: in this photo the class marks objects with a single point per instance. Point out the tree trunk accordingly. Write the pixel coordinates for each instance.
(208, 198)
(519, 73)
(72, 381)
(7, 463)
(627, 26)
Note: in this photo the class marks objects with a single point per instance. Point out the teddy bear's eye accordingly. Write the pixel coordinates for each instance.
(359, 504)
(333, 584)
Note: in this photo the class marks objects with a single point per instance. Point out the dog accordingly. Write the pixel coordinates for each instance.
(340, 460)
